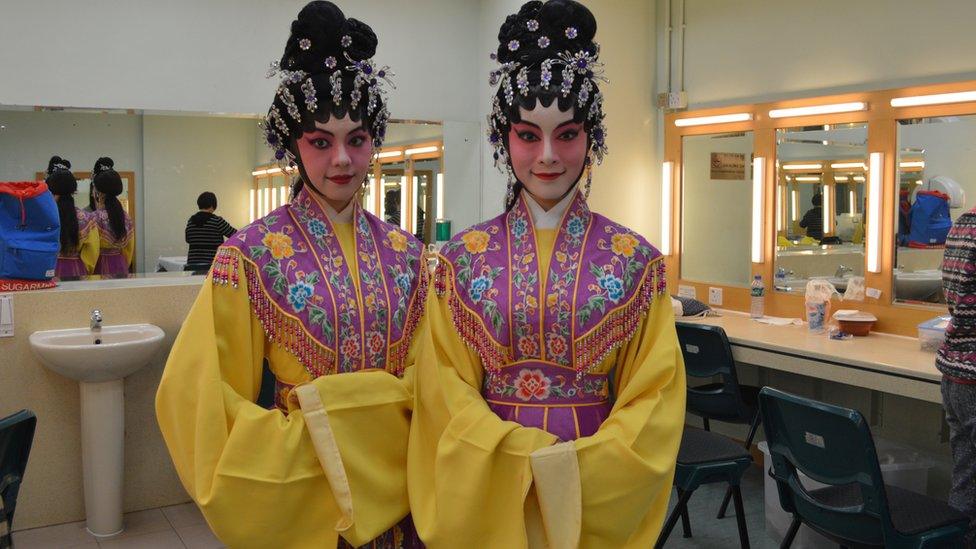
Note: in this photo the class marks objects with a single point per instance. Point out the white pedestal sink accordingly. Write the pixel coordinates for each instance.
(99, 360)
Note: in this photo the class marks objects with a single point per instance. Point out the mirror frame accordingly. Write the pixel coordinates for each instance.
(881, 119)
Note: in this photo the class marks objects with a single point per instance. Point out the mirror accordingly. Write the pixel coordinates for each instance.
(935, 173)
(716, 208)
(166, 159)
(821, 174)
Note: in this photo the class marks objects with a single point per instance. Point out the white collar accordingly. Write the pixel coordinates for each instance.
(548, 219)
(345, 216)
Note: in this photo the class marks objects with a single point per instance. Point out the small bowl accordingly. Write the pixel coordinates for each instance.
(856, 327)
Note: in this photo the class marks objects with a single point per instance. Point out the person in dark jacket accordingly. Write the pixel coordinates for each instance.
(813, 220)
(205, 232)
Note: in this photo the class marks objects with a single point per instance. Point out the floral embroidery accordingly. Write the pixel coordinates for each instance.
(398, 241)
(532, 384)
(478, 288)
(375, 342)
(528, 346)
(576, 227)
(519, 227)
(299, 294)
(349, 346)
(476, 242)
(317, 229)
(279, 244)
(623, 244)
(613, 286)
(556, 344)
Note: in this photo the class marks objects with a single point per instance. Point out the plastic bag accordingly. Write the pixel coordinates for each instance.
(817, 302)
(855, 289)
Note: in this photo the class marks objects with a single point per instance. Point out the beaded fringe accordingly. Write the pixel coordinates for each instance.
(415, 312)
(469, 325)
(619, 325)
(284, 330)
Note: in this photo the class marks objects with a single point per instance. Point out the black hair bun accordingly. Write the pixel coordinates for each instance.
(319, 32)
(550, 35)
(57, 163)
(102, 164)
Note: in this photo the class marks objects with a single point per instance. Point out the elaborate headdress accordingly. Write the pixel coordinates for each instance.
(326, 70)
(546, 52)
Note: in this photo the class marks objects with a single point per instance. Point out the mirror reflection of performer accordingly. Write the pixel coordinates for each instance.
(325, 292)
(79, 235)
(116, 234)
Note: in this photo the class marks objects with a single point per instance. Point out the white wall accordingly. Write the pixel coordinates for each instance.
(185, 156)
(755, 50)
(212, 56)
(623, 186)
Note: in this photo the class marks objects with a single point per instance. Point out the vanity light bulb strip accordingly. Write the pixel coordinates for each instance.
(667, 170)
(804, 167)
(873, 222)
(934, 99)
(717, 119)
(758, 173)
(819, 109)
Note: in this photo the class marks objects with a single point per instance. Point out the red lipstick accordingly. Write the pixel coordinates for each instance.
(548, 176)
(340, 179)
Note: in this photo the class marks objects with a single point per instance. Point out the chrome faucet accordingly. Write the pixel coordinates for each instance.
(841, 270)
(96, 320)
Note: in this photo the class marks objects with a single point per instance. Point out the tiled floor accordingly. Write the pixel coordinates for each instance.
(182, 526)
(175, 527)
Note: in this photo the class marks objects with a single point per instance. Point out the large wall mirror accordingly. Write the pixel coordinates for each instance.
(716, 206)
(936, 184)
(821, 174)
(166, 159)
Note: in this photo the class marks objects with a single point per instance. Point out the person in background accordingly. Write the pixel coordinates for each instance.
(957, 362)
(205, 232)
(813, 220)
(79, 239)
(116, 236)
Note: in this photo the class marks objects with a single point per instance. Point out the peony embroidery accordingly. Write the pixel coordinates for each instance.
(576, 227)
(556, 344)
(532, 384)
(476, 242)
(528, 346)
(349, 347)
(519, 227)
(375, 342)
(298, 295)
(623, 244)
(478, 288)
(279, 244)
(317, 229)
(398, 241)
(613, 286)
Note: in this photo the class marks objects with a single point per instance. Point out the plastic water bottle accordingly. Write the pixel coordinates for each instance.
(757, 307)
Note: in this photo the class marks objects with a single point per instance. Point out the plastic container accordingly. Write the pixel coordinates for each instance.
(757, 306)
(931, 333)
(900, 466)
(855, 322)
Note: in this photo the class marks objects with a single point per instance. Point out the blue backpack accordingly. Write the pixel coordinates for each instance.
(930, 221)
(30, 231)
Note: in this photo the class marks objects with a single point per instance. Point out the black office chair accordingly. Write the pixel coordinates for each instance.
(16, 436)
(704, 458)
(707, 354)
(833, 446)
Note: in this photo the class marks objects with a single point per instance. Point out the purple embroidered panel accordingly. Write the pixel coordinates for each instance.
(106, 236)
(550, 397)
(302, 289)
(602, 277)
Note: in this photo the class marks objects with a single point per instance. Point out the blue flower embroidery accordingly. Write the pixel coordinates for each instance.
(613, 286)
(403, 281)
(576, 227)
(317, 228)
(478, 288)
(299, 294)
(519, 227)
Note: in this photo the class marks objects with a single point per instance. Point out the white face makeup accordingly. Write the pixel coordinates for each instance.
(548, 152)
(335, 158)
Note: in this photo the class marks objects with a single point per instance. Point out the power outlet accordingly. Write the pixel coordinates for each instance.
(715, 296)
(687, 291)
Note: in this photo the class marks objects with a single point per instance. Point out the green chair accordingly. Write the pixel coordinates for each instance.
(833, 446)
(705, 457)
(16, 436)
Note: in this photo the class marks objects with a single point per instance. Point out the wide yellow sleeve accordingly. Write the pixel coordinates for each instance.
(627, 466)
(89, 248)
(468, 471)
(253, 472)
(368, 417)
(129, 250)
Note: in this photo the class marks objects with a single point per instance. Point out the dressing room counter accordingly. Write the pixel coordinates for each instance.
(880, 362)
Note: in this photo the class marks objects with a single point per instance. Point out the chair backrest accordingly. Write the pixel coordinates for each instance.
(707, 354)
(831, 445)
(16, 436)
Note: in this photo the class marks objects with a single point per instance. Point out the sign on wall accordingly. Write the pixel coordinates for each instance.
(728, 166)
